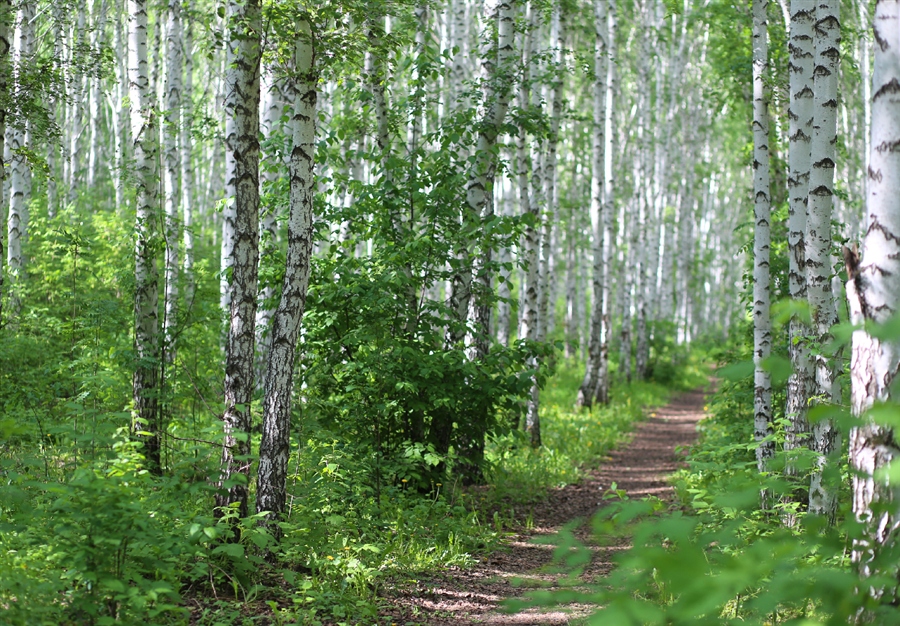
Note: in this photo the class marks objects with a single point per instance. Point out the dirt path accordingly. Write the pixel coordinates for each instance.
(463, 597)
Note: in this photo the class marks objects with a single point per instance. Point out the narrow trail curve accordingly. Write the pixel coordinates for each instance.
(464, 597)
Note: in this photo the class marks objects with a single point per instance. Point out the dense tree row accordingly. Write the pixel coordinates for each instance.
(432, 169)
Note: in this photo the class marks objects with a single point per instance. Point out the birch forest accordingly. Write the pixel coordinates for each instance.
(310, 311)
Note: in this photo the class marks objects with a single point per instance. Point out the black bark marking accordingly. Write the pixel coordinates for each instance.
(889, 88)
(888, 146)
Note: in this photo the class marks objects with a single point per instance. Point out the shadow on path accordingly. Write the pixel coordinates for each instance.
(463, 597)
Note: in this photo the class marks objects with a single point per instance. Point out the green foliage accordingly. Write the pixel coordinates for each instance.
(714, 557)
(572, 439)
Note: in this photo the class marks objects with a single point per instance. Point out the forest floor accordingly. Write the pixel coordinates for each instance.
(475, 595)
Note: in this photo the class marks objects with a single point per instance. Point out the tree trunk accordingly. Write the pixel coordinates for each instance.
(146, 291)
(762, 321)
(591, 381)
(601, 392)
(801, 382)
(272, 110)
(825, 437)
(242, 165)
(873, 292)
(20, 174)
(529, 249)
(187, 168)
(497, 57)
(172, 160)
(274, 447)
(5, 15)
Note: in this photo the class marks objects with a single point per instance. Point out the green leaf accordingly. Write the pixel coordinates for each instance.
(737, 371)
(234, 550)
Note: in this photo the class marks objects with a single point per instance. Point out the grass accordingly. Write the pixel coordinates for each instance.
(574, 439)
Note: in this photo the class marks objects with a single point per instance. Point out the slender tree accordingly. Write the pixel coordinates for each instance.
(823, 153)
(586, 393)
(873, 292)
(172, 169)
(144, 151)
(187, 167)
(762, 322)
(497, 51)
(20, 172)
(5, 15)
(601, 391)
(242, 93)
(800, 113)
(275, 444)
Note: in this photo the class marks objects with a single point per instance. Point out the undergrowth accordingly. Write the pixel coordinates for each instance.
(714, 556)
(100, 541)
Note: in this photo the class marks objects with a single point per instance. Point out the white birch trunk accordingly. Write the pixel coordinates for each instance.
(762, 321)
(119, 119)
(557, 37)
(601, 392)
(20, 174)
(274, 447)
(497, 57)
(187, 168)
(825, 437)
(242, 165)
(6, 16)
(172, 161)
(873, 292)
(800, 384)
(504, 286)
(146, 314)
(272, 108)
(96, 139)
(529, 208)
(586, 393)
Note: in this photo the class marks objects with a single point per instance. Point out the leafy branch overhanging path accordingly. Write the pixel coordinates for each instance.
(474, 596)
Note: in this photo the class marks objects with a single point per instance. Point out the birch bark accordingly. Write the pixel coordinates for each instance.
(172, 159)
(270, 125)
(5, 15)
(589, 384)
(762, 322)
(873, 292)
(145, 381)
(529, 208)
(825, 437)
(497, 55)
(274, 447)
(801, 382)
(187, 168)
(601, 392)
(242, 164)
(20, 174)
(545, 301)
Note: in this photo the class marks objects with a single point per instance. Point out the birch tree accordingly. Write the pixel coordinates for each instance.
(172, 163)
(825, 438)
(762, 322)
(187, 167)
(496, 77)
(592, 372)
(274, 447)
(601, 391)
(270, 120)
(873, 292)
(242, 94)
(5, 14)
(20, 174)
(800, 112)
(146, 315)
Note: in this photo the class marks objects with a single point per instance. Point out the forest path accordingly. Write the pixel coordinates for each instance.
(463, 597)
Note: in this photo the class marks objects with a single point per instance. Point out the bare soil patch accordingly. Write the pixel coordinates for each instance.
(463, 597)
